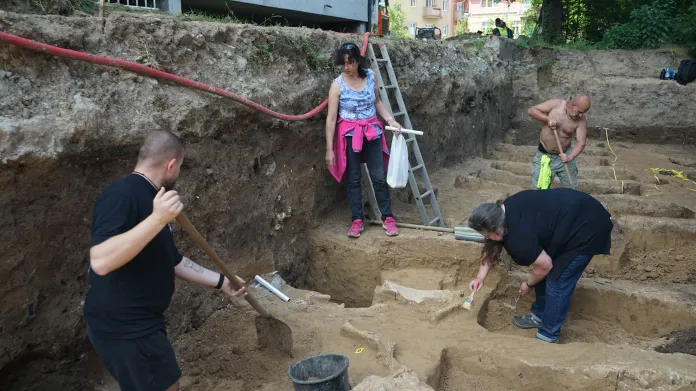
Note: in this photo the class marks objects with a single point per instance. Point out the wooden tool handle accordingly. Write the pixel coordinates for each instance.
(196, 236)
(560, 151)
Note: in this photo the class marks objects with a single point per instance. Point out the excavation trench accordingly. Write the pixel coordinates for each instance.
(609, 311)
(421, 273)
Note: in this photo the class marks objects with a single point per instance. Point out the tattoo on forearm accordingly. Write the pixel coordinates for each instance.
(191, 265)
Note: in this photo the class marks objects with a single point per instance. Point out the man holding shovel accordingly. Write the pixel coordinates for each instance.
(556, 155)
(133, 262)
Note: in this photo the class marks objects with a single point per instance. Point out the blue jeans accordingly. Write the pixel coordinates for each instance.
(372, 150)
(553, 299)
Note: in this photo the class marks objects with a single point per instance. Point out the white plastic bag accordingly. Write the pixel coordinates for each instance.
(397, 172)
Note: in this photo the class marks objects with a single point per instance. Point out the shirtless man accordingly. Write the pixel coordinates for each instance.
(567, 118)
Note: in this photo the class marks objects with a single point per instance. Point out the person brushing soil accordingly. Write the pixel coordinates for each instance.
(556, 233)
(354, 134)
(132, 265)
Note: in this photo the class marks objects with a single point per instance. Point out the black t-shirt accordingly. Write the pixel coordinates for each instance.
(130, 301)
(563, 222)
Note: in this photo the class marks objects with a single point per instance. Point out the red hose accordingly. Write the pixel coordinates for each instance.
(140, 69)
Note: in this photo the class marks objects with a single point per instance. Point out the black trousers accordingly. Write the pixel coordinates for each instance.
(372, 150)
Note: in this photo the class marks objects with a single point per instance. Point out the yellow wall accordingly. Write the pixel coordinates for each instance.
(415, 15)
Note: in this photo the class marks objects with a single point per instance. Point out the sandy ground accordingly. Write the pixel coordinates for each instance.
(407, 290)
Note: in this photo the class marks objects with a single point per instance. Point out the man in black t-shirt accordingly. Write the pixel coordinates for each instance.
(133, 262)
(556, 232)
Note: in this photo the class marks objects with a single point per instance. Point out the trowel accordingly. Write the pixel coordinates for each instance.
(513, 307)
(519, 294)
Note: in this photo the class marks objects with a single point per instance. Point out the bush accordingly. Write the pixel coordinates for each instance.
(623, 36)
(685, 29)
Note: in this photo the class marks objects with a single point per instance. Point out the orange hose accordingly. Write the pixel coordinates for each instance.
(146, 71)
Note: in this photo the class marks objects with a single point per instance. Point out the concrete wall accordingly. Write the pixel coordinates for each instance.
(309, 10)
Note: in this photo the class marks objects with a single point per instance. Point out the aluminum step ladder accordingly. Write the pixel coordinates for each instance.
(415, 172)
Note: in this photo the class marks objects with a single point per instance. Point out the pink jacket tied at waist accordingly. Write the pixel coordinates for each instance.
(361, 129)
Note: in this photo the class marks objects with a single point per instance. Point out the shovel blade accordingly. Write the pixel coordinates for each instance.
(274, 335)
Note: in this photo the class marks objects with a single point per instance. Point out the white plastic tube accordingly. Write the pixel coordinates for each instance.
(271, 288)
(405, 131)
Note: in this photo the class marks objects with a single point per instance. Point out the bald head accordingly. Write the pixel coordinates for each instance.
(159, 147)
(577, 108)
(582, 102)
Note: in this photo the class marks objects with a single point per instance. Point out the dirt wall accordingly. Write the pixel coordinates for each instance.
(67, 129)
(624, 87)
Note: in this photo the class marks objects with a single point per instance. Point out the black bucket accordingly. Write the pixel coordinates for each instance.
(324, 372)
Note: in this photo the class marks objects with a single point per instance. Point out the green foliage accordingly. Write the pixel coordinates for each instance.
(615, 24)
(196, 16)
(623, 36)
(684, 26)
(397, 21)
(65, 6)
(86, 6)
(316, 61)
(462, 27)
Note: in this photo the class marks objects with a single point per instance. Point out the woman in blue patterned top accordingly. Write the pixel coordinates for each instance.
(353, 107)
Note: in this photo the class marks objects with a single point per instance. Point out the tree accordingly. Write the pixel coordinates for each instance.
(462, 27)
(397, 21)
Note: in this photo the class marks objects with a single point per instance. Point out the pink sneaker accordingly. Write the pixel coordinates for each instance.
(356, 228)
(390, 226)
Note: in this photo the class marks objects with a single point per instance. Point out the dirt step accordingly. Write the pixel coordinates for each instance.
(506, 363)
(591, 186)
(526, 157)
(473, 183)
(609, 311)
(349, 269)
(583, 172)
(626, 204)
(531, 150)
(649, 233)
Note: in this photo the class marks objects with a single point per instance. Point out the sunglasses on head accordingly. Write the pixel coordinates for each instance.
(348, 46)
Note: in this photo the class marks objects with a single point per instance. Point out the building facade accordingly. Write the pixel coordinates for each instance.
(461, 13)
(482, 14)
(428, 13)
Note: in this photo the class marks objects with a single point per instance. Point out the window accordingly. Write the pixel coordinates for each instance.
(460, 6)
(412, 28)
(445, 4)
(430, 3)
(445, 30)
(516, 27)
(487, 3)
(413, 3)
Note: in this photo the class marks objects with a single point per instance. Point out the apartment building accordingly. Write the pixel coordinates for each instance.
(429, 13)
(482, 13)
(461, 12)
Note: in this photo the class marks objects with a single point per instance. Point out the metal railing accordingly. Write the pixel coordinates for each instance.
(138, 4)
(430, 12)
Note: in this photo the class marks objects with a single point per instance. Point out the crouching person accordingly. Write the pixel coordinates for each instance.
(556, 233)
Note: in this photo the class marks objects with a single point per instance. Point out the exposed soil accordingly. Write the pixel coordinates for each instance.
(257, 190)
(682, 341)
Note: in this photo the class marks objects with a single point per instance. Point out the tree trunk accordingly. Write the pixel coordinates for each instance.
(550, 23)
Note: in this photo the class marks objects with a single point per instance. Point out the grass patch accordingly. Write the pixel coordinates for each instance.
(197, 16)
(315, 60)
(264, 53)
(64, 7)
